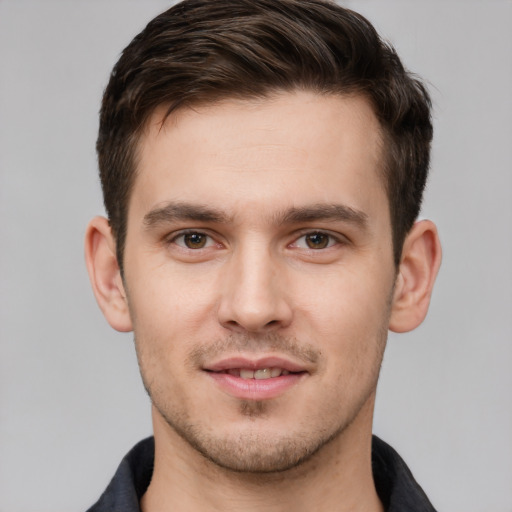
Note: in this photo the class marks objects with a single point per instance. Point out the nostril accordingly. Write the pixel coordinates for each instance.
(240, 313)
(247, 327)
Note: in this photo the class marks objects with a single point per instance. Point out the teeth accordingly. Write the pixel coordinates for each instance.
(275, 372)
(263, 373)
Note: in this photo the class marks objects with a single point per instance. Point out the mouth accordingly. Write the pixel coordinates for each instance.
(259, 374)
(256, 380)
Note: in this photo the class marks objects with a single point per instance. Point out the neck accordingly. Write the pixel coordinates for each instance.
(339, 477)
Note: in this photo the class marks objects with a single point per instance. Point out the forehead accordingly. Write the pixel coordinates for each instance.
(286, 150)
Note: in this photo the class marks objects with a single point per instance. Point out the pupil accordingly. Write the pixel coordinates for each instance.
(195, 240)
(317, 241)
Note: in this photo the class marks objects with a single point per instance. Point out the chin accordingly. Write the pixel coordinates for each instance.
(255, 448)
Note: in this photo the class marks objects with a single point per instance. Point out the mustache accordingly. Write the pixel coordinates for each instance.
(254, 344)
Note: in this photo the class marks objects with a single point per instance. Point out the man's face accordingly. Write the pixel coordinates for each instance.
(259, 274)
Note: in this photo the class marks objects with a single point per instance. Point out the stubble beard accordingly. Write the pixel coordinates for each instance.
(254, 451)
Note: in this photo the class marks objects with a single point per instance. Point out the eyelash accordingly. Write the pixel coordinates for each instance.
(332, 240)
(183, 234)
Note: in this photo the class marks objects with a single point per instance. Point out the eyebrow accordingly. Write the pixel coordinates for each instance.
(323, 212)
(178, 211)
(184, 211)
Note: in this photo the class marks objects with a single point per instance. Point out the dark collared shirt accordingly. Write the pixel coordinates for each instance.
(395, 484)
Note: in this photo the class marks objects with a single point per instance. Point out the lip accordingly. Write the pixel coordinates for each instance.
(255, 389)
(255, 364)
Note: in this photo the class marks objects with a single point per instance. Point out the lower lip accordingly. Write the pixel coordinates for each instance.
(255, 389)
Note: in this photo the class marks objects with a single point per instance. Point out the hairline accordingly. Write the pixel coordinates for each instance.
(173, 110)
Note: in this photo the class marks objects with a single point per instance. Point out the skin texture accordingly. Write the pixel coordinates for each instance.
(257, 230)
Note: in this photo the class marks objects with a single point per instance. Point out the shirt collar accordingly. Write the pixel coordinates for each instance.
(394, 482)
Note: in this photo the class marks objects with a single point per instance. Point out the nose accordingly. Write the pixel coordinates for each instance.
(253, 297)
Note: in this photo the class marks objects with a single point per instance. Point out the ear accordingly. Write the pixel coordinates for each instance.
(104, 273)
(421, 259)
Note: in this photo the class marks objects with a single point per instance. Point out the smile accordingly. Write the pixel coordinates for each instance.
(261, 379)
(260, 374)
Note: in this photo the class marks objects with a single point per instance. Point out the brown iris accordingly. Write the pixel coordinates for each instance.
(317, 240)
(195, 240)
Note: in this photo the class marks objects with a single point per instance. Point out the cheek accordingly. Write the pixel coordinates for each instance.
(356, 300)
(167, 297)
(171, 314)
(348, 318)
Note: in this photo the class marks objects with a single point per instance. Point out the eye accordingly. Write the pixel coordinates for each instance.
(193, 240)
(315, 240)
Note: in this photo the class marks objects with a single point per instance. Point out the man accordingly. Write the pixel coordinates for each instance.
(262, 164)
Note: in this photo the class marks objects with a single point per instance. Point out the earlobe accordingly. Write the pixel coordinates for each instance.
(104, 274)
(421, 259)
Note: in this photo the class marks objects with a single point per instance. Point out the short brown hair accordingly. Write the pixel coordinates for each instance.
(208, 50)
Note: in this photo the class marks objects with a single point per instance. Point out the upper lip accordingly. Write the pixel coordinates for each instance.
(229, 363)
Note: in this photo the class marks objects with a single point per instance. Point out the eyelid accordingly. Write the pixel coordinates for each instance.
(172, 237)
(337, 238)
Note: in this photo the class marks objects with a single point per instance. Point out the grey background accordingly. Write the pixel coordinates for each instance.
(71, 399)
